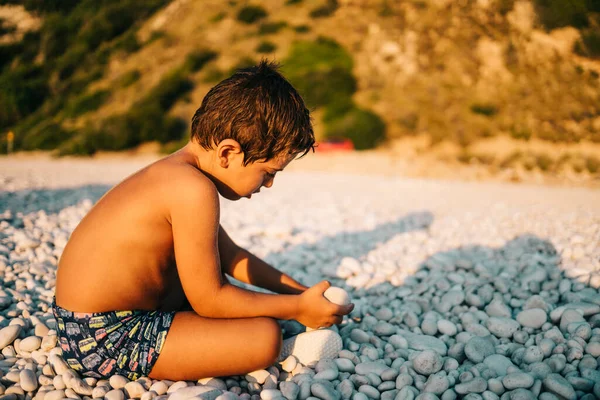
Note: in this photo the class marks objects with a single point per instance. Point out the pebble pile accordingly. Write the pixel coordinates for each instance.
(455, 298)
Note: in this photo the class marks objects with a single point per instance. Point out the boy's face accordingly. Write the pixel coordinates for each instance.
(258, 174)
(244, 181)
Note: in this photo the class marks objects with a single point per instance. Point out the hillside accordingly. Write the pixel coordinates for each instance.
(462, 75)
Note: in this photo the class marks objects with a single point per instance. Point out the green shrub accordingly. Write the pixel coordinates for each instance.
(70, 61)
(464, 157)
(520, 133)
(489, 110)
(173, 146)
(591, 41)
(129, 78)
(22, 91)
(46, 136)
(78, 145)
(302, 28)
(544, 162)
(321, 70)
(337, 108)
(322, 87)
(218, 17)
(198, 59)
(266, 47)
(251, 14)
(128, 43)
(505, 6)
(559, 13)
(86, 103)
(271, 27)
(170, 88)
(363, 127)
(410, 122)
(592, 164)
(511, 159)
(8, 52)
(325, 10)
(5, 28)
(386, 10)
(214, 74)
(156, 35)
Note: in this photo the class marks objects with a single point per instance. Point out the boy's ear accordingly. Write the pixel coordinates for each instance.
(227, 150)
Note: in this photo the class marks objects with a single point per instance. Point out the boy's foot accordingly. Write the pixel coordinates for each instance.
(310, 347)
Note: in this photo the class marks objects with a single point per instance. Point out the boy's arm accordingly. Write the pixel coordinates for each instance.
(193, 205)
(246, 267)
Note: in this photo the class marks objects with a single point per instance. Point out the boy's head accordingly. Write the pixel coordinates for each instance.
(258, 113)
(258, 108)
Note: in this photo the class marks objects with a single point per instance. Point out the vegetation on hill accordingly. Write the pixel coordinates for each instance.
(457, 72)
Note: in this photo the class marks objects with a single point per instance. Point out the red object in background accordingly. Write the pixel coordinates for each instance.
(334, 144)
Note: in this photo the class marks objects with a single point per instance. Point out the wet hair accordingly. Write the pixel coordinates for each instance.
(259, 109)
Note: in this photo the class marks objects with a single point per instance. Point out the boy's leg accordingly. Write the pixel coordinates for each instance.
(197, 347)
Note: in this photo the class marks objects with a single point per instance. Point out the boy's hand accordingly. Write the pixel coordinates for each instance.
(315, 311)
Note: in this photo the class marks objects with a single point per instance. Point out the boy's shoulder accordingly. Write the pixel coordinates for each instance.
(180, 175)
(179, 181)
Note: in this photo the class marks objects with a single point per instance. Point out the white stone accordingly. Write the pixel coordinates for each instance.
(203, 392)
(337, 295)
(427, 362)
(532, 318)
(115, 394)
(502, 327)
(134, 390)
(258, 376)
(289, 363)
(517, 380)
(159, 387)
(8, 335)
(118, 381)
(28, 380)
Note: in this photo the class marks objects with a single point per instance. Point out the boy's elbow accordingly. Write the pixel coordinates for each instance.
(208, 304)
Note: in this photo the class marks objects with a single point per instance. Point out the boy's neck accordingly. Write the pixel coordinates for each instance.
(197, 156)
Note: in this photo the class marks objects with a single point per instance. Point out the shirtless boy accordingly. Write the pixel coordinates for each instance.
(153, 244)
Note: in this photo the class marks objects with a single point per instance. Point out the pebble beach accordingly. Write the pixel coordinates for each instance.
(463, 290)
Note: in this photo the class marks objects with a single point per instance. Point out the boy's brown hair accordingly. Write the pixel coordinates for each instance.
(259, 109)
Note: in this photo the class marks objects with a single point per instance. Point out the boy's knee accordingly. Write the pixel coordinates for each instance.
(272, 340)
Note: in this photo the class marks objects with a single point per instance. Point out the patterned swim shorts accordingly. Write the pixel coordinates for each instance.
(116, 342)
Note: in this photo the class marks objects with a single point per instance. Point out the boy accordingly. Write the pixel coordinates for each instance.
(153, 244)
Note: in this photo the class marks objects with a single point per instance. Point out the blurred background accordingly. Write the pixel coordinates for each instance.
(504, 88)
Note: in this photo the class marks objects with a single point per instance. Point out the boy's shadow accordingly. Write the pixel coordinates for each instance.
(525, 273)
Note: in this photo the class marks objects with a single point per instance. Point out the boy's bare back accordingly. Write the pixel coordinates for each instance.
(121, 255)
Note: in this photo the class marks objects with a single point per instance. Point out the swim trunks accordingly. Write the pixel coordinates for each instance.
(116, 342)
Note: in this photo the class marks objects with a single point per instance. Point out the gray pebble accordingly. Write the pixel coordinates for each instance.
(437, 384)
(403, 380)
(28, 380)
(532, 318)
(502, 327)
(324, 392)
(517, 380)
(115, 394)
(427, 362)
(370, 391)
(559, 386)
(475, 385)
(478, 348)
(498, 363)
